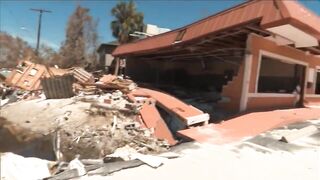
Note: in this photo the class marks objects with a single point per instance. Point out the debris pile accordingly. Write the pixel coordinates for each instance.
(111, 82)
(91, 116)
(112, 126)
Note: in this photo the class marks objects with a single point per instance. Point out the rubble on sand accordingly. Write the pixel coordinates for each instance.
(93, 117)
(110, 127)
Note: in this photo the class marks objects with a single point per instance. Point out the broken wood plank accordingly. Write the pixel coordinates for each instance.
(304, 132)
(68, 174)
(91, 161)
(109, 168)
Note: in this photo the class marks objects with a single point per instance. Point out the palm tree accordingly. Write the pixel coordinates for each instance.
(127, 21)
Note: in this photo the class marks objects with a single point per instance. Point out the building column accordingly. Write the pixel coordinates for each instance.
(246, 76)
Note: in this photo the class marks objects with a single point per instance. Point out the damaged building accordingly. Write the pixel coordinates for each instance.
(257, 55)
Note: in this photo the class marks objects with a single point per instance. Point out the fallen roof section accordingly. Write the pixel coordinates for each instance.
(269, 13)
(152, 118)
(189, 114)
(248, 125)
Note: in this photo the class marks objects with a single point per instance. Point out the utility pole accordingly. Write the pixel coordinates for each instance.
(39, 25)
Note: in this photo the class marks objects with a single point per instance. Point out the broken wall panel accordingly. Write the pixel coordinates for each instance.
(27, 75)
(152, 119)
(58, 87)
(232, 92)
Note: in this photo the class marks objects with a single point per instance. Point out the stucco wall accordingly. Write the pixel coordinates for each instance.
(233, 90)
(262, 103)
(312, 100)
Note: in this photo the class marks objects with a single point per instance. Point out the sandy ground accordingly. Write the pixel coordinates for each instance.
(253, 158)
(41, 115)
(259, 158)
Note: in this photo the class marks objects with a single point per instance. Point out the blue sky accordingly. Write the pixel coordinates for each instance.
(18, 20)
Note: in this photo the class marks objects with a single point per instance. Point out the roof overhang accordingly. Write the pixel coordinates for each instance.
(299, 37)
(287, 19)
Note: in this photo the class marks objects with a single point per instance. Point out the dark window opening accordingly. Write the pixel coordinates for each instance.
(279, 77)
(318, 83)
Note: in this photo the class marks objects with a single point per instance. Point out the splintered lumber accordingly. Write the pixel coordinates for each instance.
(83, 76)
(304, 132)
(113, 82)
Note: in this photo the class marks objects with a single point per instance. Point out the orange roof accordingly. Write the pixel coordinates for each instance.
(270, 13)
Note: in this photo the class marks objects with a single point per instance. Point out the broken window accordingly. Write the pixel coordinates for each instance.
(318, 82)
(33, 72)
(277, 76)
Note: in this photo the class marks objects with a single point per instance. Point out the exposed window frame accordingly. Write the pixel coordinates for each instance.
(317, 70)
(282, 59)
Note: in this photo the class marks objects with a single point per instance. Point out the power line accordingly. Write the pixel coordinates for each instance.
(39, 25)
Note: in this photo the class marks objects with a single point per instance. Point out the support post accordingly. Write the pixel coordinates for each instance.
(116, 70)
(246, 77)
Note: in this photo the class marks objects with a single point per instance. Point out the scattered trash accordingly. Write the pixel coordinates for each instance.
(127, 153)
(76, 164)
